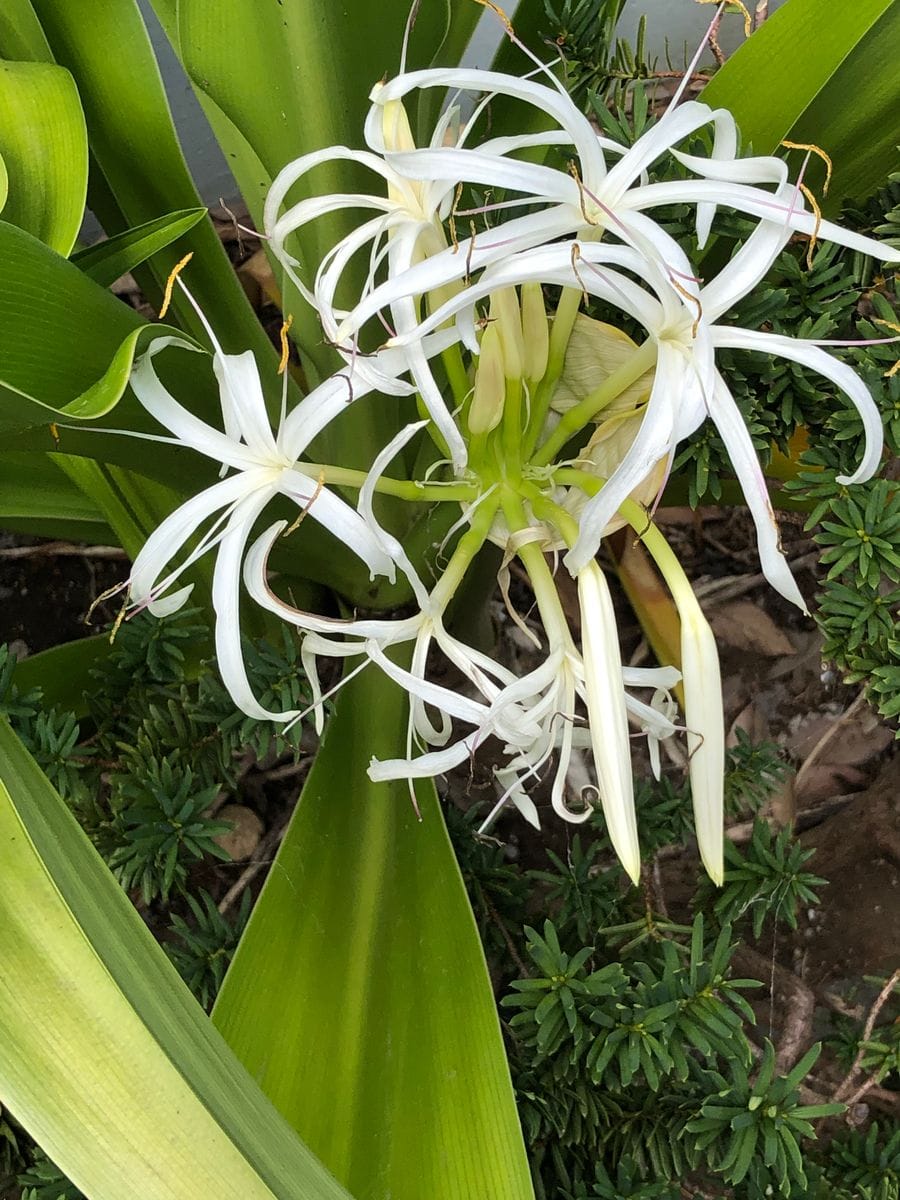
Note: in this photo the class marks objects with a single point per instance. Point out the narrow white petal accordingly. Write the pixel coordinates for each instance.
(729, 421)
(189, 430)
(242, 393)
(607, 716)
(555, 104)
(705, 734)
(256, 582)
(165, 542)
(839, 373)
(226, 591)
(653, 442)
(339, 518)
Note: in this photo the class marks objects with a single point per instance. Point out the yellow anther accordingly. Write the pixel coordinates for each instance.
(812, 148)
(748, 20)
(500, 14)
(170, 283)
(285, 344)
(894, 328)
(54, 433)
(817, 212)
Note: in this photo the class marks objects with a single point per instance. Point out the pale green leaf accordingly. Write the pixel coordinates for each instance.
(37, 498)
(363, 951)
(854, 118)
(107, 1059)
(141, 174)
(43, 141)
(106, 261)
(775, 76)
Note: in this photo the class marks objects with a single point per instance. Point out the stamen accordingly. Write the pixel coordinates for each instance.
(170, 283)
(814, 236)
(54, 433)
(812, 148)
(285, 345)
(573, 171)
(471, 250)
(107, 595)
(452, 218)
(308, 505)
(501, 17)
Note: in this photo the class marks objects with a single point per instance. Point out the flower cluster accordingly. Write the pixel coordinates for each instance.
(545, 430)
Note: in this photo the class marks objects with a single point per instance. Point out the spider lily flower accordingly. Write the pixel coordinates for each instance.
(678, 359)
(408, 228)
(258, 465)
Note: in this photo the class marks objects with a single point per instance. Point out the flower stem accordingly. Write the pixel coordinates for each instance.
(404, 489)
(577, 417)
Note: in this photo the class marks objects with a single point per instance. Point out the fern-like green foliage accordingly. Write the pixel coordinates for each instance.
(766, 883)
(203, 947)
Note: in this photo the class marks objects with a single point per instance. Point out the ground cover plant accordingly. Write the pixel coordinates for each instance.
(544, 306)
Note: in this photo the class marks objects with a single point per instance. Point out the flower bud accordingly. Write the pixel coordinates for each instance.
(508, 320)
(535, 332)
(486, 408)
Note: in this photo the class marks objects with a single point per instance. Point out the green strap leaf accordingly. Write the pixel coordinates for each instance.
(775, 76)
(63, 672)
(37, 498)
(107, 261)
(107, 1059)
(140, 170)
(362, 952)
(67, 344)
(21, 36)
(44, 145)
(854, 118)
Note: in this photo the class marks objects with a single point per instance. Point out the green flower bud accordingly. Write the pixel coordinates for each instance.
(535, 332)
(508, 320)
(486, 409)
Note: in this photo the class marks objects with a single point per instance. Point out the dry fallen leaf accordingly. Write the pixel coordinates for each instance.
(744, 626)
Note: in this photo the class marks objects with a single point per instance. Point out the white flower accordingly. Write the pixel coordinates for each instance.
(686, 386)
(591, 198)
(258, 465)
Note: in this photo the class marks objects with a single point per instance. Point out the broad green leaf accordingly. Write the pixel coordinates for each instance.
(63, 672)
(773, 78)
(107, 1059)
(37, 498)
(140, 170)
(67, 345)
(21, 36)
(363, 952)
(44, 145)
(106, 261)
(132, 505)
(854, 118)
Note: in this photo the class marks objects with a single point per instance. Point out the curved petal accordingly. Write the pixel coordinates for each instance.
(226, 589)
(189, 430)
(653, 442)
(168, 538)
(729, 421)
(605, 697)
(839, 373)
(555, 103)
(339, 518)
